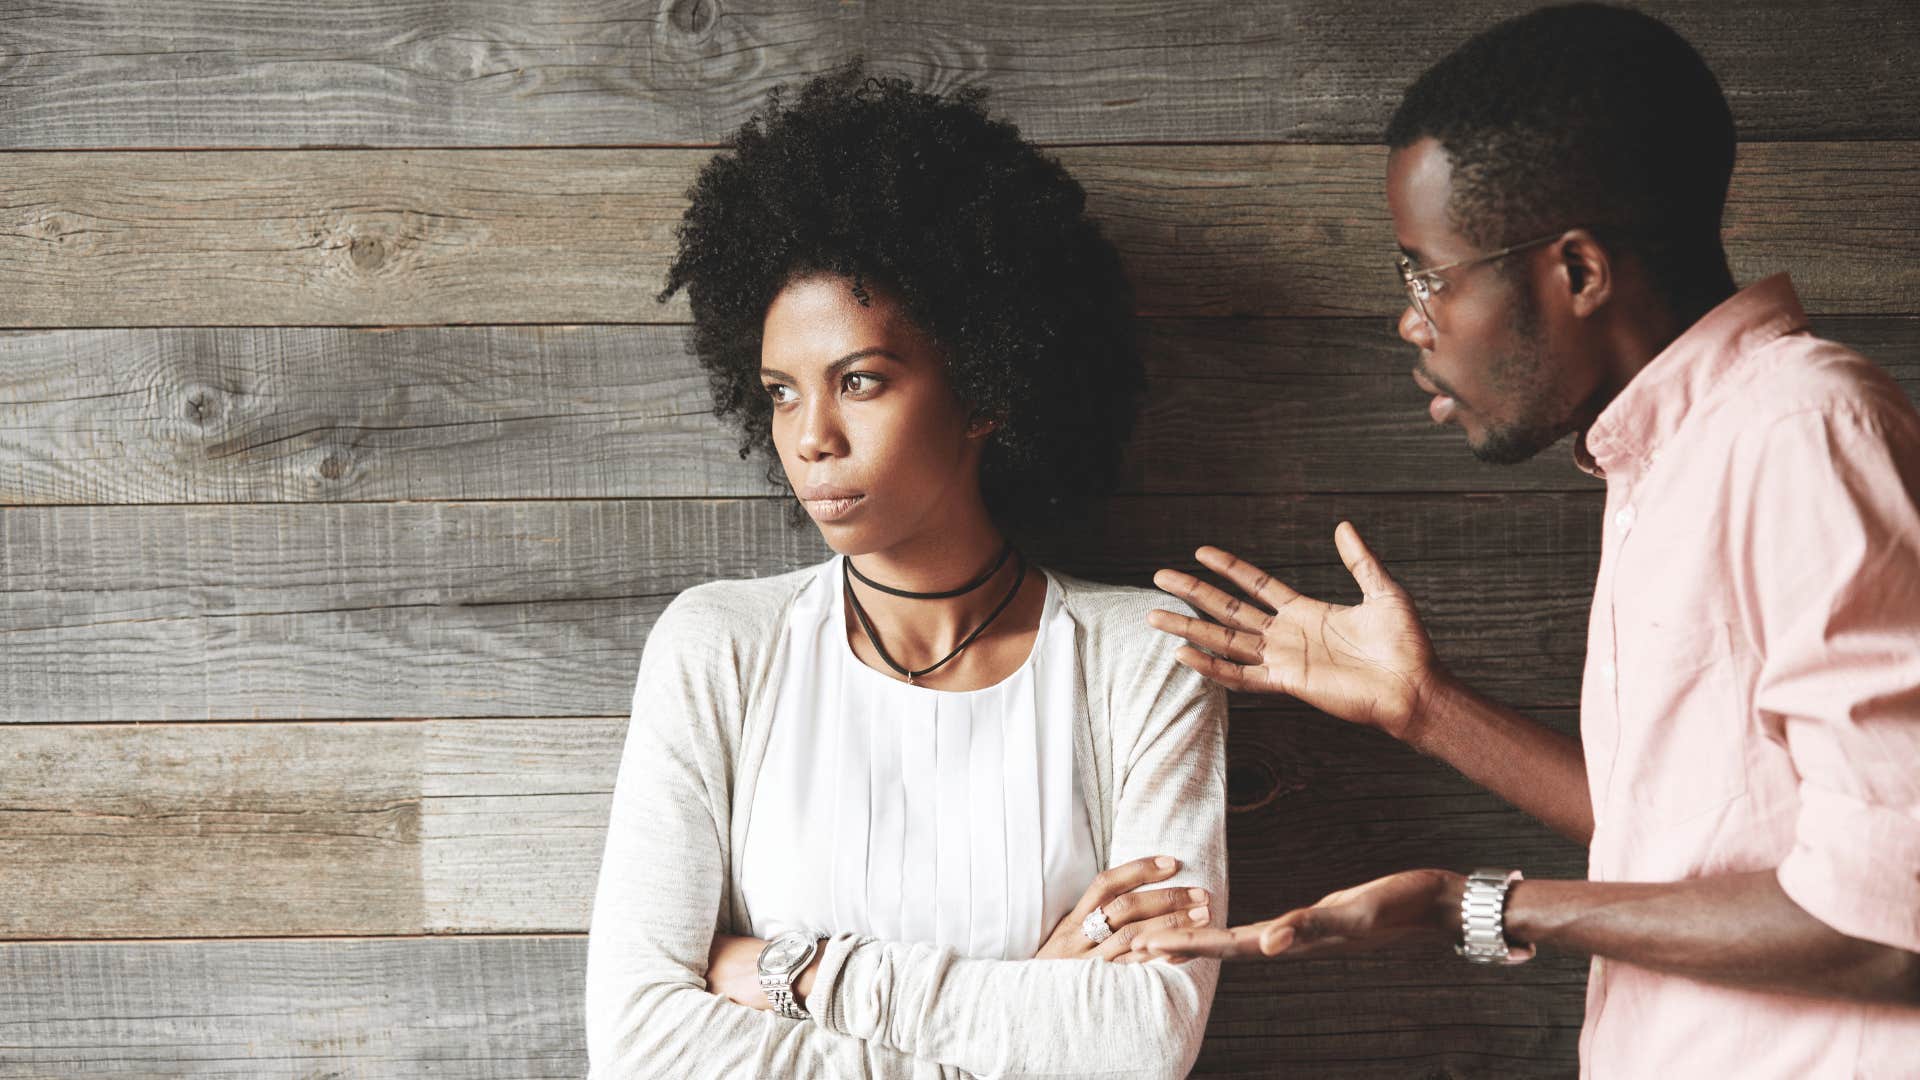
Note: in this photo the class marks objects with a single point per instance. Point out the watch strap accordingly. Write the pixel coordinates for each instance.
(778, 985)
(1483, 919)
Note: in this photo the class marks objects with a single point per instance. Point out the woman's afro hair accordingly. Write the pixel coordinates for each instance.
(983, 239)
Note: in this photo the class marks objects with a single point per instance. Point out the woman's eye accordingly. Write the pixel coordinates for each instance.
(779, 392)
(859, 383)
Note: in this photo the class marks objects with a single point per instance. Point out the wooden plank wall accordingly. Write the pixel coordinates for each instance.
(346, 459)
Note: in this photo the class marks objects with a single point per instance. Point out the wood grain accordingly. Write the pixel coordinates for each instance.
(479, 1009)
(477, 826)
(547, 236)
(288, 611)
(114, 73)
(1274, 406)
(500, 1008)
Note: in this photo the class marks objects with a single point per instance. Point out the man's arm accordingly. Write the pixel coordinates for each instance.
(1738, 929)
(1372, 664)
(1735, 929)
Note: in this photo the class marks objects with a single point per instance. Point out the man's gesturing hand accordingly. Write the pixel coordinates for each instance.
(1414, 905)
(1370, 664)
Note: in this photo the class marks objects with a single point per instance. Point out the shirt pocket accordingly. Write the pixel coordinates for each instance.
(1684, 723)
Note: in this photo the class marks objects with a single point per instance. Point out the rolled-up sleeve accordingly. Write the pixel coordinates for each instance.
(1835, 559)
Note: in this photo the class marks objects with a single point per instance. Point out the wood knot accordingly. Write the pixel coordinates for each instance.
(367, 252)
(1250, 786)
(334, 464)
(691, 16)
(53, 227)
(202, 405)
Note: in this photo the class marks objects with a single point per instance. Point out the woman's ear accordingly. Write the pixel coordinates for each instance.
(980, 425)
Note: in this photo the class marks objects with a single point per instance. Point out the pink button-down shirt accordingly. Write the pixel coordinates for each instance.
(1752, 690)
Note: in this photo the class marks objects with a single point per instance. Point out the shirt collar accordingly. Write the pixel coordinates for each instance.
(1654, 403)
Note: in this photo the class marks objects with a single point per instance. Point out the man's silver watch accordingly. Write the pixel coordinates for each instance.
(782, 961)
(1483, 920)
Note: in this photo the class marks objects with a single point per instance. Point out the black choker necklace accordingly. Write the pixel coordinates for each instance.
(947, 595)
(873, 638)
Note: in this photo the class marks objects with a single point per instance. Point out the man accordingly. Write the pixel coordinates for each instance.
(1748, 777)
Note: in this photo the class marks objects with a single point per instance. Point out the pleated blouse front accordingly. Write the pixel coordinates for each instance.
(909, 814)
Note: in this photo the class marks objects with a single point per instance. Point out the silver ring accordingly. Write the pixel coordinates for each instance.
(1095, 927)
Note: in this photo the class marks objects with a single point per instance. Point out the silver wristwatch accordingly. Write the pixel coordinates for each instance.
(1483, 920)
(784, 958)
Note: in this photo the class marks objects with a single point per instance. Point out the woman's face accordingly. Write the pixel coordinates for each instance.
(874, 440)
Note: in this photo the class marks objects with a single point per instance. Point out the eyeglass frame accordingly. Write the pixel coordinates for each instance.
(1417, 281)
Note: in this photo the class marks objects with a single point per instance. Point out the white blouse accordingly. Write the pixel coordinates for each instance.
(909, 814)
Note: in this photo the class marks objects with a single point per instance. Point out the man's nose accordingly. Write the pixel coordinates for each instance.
(1415, 330)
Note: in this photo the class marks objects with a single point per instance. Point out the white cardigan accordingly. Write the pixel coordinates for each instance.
(1152, 760)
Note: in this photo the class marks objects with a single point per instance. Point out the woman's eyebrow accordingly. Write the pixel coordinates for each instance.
(839, 365)
(858, 355)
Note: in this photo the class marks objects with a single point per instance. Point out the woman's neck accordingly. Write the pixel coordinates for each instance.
(919, 631)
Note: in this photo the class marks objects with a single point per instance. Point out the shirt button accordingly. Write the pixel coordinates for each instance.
(1623, 520)
(1609, 673)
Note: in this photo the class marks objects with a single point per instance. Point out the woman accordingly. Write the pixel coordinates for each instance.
(900, 814)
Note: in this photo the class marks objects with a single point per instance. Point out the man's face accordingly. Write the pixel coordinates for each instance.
(1485, 354)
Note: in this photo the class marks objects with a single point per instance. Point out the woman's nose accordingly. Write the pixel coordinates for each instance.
(820, 434)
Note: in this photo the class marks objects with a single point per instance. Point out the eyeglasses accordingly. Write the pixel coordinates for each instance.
(1422, 284)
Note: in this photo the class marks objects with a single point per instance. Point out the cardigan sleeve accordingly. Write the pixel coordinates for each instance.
(1073, 1018)
(659, 900)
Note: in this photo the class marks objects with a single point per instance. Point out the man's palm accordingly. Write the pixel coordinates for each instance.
(1367, 663)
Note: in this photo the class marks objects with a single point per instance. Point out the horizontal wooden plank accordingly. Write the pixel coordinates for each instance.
(485, 1009)
(320, 414)
(372, 610)
(474, 826)
(111, 73)
(1277, 406)
(501, 1008)
(429, 237)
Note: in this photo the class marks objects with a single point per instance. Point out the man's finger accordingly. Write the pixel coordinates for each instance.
(1225, 672)
(1256, 582)
(1216, 602)
(1241, 646)
(1367, 572)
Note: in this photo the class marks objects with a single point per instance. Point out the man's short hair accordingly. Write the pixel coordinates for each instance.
(1584, 116)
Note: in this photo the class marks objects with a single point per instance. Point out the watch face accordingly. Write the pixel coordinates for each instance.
(785, 951)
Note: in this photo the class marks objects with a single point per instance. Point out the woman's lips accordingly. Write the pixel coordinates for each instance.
(832, 509)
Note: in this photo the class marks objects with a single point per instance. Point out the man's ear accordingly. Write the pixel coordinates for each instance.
(1584, 268)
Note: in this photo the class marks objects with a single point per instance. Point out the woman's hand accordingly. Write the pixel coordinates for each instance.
(1130, 911)
(1369, 664)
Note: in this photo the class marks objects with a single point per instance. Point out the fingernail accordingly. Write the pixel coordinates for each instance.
(1166, 862)
(1199, 914)
(1198, 896)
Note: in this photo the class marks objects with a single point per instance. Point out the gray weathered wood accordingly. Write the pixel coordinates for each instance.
(509, 1009)
(473, 826)
(114, 73)
(540, 608)
(546, 236)
(474, 1009)
(1282, 406)
(302, 414)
